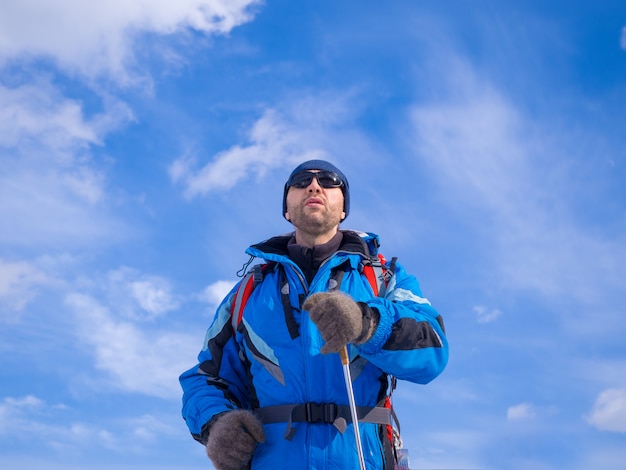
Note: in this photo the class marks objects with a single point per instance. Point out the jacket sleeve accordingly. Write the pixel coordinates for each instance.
(218, 382)
(410, 341)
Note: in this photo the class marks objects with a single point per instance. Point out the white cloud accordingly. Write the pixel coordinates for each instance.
(486, 315)
(609, 411)
(19, 282)
(96, 37)
(274, 142)
(473, 141)
(214, 293)
(36, 115)
(13, 409)
(135, 359)
(521, 412)
(138, 296)
(49, 182)
(496, 169)
(307, 126)
(10, 405)
(53, 190)
(22, 417)
(38, 111)
(154, 296)
(148, 427)
(607, 372)
(459, 448)
(622, 39)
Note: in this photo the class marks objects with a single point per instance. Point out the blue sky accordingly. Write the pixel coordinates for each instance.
(143, 147)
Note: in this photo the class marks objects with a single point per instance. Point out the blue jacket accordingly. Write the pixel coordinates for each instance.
(263, 364)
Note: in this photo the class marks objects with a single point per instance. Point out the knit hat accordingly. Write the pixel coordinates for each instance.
(321, 165)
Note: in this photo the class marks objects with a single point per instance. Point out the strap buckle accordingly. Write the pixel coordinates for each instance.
(321, 412)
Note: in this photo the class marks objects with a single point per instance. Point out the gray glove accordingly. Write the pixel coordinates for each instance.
(233, 438)
(340, 319)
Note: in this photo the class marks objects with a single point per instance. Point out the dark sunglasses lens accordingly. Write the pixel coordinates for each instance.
(301, 180)
(328, 179)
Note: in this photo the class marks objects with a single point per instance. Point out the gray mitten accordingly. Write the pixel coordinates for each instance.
(233, 439)
(339, 319)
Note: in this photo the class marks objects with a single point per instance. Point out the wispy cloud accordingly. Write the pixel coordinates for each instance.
(137, 360)
(49, 181)
(521, 412)
(139, 296)
(12, 408)
(608, 374)
(56, 430)
(299, 127)
(21, 416)
(485, 314)
(275, 140)
(457, 449)
(54, 191)
(153, 295)
(609, 411)
(531, 416)
(19, 282)
(622, 39)
(97, 38)
(38, 111)
(214, 293)
(493, 165)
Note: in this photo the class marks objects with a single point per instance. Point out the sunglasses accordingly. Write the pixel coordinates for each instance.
(326, 179)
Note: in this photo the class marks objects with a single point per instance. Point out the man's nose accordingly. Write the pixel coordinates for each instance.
(314, 186)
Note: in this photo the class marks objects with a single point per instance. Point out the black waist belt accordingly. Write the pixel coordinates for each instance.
(327, 413)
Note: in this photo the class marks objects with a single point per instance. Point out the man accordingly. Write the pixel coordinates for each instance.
(269, 392)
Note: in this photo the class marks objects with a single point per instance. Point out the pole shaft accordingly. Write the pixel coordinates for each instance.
(345, 361)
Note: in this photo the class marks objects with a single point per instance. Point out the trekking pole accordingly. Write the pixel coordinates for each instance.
(345, 361)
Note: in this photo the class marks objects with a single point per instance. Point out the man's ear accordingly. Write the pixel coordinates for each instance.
(343, 215)
(287, 216)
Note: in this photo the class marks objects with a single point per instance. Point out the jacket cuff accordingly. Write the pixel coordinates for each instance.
(380, 334)
(203, 437)
(370, 317)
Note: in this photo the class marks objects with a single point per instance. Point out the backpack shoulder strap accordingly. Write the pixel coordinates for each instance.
(378, 272)
(251, 279)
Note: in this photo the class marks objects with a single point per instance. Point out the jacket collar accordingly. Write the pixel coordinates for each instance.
(353, 242)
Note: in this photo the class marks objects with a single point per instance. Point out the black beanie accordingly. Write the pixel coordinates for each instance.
(321, 165)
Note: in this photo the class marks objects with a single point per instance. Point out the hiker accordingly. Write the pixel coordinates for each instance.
(268, 391)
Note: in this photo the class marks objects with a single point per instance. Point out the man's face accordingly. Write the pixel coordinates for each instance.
(315, 210)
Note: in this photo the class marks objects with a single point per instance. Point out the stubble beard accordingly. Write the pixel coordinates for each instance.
(315, 224)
